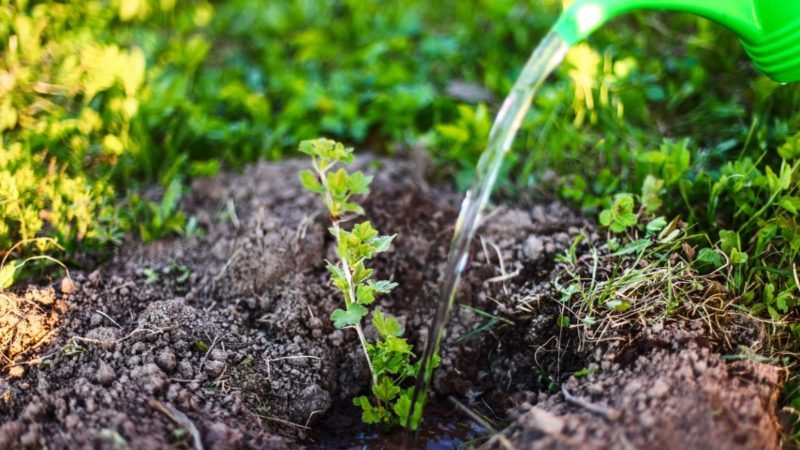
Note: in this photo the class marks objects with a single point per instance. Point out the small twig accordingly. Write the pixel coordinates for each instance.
(108, 317)
(608, 413)
(224, 269)
(210, 347)
(123, 285)
(496, 435)
(310, 416)
(285, 422)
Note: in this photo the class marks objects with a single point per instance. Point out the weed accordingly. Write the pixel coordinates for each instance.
(389, 357)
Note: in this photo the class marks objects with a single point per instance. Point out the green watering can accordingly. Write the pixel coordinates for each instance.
(768, 29)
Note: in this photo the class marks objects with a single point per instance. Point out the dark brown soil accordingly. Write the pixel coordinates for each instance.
(225, 337)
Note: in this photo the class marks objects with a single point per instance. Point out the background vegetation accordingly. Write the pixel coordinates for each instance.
(109, 108)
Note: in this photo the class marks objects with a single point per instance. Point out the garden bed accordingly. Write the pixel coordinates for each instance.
(224, 338)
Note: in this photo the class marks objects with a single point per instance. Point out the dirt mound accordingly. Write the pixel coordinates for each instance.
(676, 394)
(224, 337)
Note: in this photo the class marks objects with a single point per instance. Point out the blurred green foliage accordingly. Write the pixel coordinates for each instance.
(102, 100)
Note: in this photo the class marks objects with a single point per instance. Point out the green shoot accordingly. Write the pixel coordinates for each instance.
(389, 357)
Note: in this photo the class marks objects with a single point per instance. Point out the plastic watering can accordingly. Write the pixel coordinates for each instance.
(769, 30)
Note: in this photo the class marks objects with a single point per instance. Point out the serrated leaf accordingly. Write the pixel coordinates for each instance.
(310, 182)
(365, 294)
(382, 243)
(361, 273)
(354, 208)
(385, 390)
(383, 286)
(309, 147)
(337, 184)
(387, 326)
(397, 345)
(620, 216)
(352, 316)
(369, 414)
(358, 183)
(335, 270)
(403, 407)
(364, 231)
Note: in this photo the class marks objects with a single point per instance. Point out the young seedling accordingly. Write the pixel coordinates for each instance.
(389, 357)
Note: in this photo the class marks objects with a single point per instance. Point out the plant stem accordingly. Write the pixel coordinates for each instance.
(360, 331)
(351, 289)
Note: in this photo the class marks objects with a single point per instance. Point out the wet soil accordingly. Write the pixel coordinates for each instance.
(222, 340)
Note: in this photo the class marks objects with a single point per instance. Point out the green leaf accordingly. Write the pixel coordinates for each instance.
(382, 243)
(790, 203)
(656, 225)
(385, 390)
(369, 414)
(382, 286)
(361, 273)
(619, 304)
(791, 148)
(620, 216)
(352, 316)
(387, 326)
(403, 407)
(738, 257)
(7, 273)
(169, 202)
(354, 208)
(728, 240)
(358, 183)
(337, 184)
(335, 270)
(708, 260)
(365, 294)
(397, 345)
(364, 231)
(637, 246)
(310, 182)
(651, 191)
(781, 301)
(308, 147)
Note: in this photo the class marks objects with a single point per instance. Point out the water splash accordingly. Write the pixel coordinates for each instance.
(547, 56)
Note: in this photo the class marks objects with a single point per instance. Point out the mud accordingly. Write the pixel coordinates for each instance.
(224, 337)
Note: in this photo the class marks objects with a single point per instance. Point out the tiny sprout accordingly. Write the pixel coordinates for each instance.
(389, 357)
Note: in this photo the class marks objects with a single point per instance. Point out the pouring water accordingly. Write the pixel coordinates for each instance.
(547, 56)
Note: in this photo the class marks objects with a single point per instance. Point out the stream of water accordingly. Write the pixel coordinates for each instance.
(547, 56)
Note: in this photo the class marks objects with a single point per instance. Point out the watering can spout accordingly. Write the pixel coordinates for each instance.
(768, 29)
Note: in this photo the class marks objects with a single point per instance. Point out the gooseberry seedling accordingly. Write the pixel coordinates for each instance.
(389, 357)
